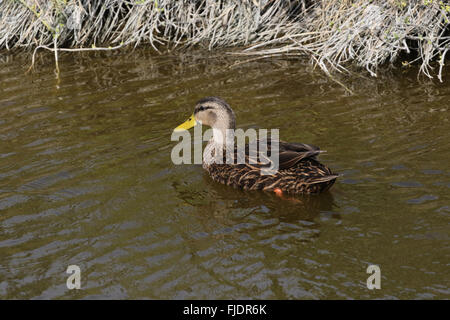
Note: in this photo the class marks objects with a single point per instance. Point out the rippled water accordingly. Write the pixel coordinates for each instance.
(86, 179)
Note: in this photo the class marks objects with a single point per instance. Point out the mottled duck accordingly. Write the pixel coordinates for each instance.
(299, 171)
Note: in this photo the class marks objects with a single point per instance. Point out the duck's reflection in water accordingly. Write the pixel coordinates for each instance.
(227, 205)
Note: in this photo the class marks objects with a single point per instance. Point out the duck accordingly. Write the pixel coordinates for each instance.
(298, 172)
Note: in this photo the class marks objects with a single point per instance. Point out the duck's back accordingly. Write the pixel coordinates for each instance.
(299, 172)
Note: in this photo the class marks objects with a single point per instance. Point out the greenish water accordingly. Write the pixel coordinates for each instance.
(86, 178)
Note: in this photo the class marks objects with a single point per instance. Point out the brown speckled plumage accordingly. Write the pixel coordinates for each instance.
(299, 172)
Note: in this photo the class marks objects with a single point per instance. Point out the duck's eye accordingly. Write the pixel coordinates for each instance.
(202, 108)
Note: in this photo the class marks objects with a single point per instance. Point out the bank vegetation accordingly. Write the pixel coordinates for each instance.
(334, 34)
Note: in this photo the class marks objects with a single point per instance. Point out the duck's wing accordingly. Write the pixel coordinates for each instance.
(300, 147)
(293, 153)
(289, 154)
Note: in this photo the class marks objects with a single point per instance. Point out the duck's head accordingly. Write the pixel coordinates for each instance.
(213, 112)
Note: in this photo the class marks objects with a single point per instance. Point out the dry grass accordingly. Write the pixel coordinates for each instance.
(335, 34)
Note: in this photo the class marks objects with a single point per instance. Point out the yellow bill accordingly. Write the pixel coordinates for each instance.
(189, 123)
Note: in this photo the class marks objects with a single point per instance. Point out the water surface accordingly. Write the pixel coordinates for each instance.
(86, 178)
